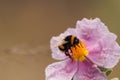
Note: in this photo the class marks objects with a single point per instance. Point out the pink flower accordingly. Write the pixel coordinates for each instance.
(97, 47)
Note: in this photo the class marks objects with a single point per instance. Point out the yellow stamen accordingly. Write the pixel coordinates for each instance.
(79, 52)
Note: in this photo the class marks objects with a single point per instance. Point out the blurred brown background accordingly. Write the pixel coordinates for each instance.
(26, 27)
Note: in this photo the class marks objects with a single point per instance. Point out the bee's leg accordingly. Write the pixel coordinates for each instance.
(67, 54)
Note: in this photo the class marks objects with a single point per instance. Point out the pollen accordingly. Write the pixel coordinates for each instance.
(79, 51)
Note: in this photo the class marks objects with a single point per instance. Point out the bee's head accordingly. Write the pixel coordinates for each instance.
(75, 41)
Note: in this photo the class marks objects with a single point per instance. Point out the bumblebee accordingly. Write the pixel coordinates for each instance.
(69, 41)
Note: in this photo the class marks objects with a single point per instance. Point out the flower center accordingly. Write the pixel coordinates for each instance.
(79, 51)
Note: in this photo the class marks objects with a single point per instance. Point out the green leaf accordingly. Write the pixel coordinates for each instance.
(108, 72)
(102, 69)
(105, 70)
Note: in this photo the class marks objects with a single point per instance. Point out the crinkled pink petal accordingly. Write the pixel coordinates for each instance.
(56, 41)
(87, 71)
(105, 53)
(91, 30)
(63, 70)
(101, 44)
